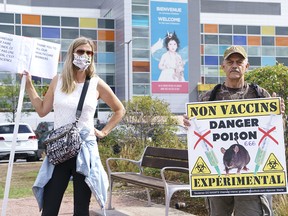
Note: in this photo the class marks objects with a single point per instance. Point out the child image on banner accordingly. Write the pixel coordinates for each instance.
(171, 62)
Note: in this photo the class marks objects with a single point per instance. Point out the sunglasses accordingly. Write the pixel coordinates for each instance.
(81, 52)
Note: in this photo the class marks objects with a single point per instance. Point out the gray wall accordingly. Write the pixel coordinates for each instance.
(89, 4)
(239, 7)
(194, 42)
(118, 15)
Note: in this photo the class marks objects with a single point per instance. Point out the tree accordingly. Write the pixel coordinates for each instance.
(272, 78)
(9, 95)
(148, 121)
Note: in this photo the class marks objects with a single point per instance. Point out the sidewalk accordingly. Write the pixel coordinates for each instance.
(125, 205)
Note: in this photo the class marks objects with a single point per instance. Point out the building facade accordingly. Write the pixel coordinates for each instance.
(130, 35)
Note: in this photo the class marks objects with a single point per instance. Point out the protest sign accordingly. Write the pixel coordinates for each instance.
(38, 57)
(236, 147)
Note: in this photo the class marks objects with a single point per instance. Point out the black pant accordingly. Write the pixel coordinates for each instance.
(55, 188)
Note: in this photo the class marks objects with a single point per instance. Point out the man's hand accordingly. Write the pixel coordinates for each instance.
(282, 103)
(186, 121)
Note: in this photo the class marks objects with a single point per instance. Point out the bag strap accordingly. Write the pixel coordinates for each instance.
(214, 92)
(82, 98)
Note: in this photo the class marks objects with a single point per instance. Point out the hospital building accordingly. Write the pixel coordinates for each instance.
(130, 40)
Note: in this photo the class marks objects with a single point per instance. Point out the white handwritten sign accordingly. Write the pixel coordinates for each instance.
(38, 57)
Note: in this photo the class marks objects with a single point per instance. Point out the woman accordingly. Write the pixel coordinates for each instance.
(63, 95)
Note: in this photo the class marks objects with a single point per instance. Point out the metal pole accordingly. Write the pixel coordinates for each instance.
(128, 66)
(13, 147)
(4, 3)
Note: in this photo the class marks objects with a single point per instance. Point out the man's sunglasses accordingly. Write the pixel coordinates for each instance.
(81, 52)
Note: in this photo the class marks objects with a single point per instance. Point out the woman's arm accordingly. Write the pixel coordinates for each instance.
(108, 96)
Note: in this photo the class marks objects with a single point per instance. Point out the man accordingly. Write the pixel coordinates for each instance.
(235, 64)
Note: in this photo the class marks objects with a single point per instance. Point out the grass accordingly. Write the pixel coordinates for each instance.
(22, 180)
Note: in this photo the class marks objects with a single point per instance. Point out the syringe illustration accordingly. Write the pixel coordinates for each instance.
(208, 152)
(263, 143)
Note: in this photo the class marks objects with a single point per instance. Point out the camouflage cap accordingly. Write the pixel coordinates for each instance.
(235, 49)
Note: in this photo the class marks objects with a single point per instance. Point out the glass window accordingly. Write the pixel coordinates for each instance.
(89, 33)
(211, 50)
(63, 56)
(140, 20)
(51, 20)
(140, 32)
(211, 80)
(254, 51)
(103, 107)
(141, 77)
(50, 32)
(141, 54)
(65, 44)
(105, 46)
(70, 21)
(225, 29)
(6, 18)
(268, 51)
(17, 18)
(282, 60)
(239, 40)
(141, 89)
(268, 41)
(108, 78)
(31, 31)
(9, 29)
(220, 59)
(255, 61)
(222, 50)
(281, 51)
(60, 67)
(254, 30)
(211, 39)
(105, 68)
(144, 2)
(225, 39)
(18, 30)
(140, 9)
(70, 33)
(281, 30)
(211, 60)
(110, 46)
(211, 70)
(106, 23)
(108, 58)
(239, 29)
(141, 43)
(268, 61)
(141, 66)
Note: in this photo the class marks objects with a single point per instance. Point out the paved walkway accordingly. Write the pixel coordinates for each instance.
(125, 205)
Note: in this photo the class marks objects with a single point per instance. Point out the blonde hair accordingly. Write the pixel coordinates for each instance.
(69, 69)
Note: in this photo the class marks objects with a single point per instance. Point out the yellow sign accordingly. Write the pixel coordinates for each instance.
(232, 181)
(241, 108)
(201, 167)
(272, 164)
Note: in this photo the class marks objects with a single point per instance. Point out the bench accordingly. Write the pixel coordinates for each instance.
(165, 159)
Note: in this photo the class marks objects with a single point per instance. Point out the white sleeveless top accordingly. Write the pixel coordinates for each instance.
(65, 105)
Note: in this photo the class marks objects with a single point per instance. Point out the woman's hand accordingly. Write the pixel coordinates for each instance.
(100, 134)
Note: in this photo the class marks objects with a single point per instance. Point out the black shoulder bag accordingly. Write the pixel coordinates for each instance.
(65, 142)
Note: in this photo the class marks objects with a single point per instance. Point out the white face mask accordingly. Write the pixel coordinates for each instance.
(82, 62)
